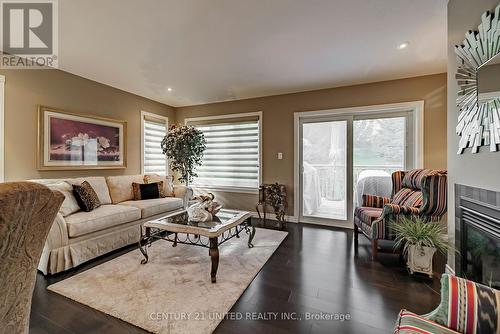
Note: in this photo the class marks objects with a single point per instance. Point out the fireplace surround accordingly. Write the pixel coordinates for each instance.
(477, 234)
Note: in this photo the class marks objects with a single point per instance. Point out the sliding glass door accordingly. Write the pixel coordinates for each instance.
(336, 153)
(381, 146)
(325, 173)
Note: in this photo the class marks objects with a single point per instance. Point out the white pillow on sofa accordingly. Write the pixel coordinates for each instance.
(69, 204)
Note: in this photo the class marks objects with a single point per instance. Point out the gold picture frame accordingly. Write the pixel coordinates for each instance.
(76, 141)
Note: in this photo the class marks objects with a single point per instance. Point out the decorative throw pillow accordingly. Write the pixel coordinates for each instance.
(408, 197)
(413, 178)
(148, 190)
(86, 196)
(70, 205)
(168, 183)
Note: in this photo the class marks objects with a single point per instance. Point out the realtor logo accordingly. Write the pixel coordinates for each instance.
(29, 34)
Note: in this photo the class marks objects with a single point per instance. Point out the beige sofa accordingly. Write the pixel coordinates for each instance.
(81, 236)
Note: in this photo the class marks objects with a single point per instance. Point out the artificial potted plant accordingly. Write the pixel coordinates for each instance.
(184, 146)
(420, 241)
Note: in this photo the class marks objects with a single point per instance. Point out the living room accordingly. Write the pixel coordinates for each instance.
(338, 160)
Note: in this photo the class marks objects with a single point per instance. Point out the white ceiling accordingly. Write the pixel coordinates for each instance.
(217, 50)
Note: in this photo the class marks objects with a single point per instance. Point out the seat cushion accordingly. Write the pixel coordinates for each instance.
(367, 214)
(410, 323)
(103, 217)
(151, 207)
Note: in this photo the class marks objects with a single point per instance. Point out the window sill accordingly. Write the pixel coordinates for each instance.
(241, 190)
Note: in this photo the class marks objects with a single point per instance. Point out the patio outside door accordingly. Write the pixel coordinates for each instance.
(325, 173)
(337, 152)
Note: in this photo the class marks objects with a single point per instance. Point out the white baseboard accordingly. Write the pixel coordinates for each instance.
(449, 270)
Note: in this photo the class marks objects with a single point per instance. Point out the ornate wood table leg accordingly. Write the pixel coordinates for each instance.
(144, 240)
(251, 233)
(214, 256)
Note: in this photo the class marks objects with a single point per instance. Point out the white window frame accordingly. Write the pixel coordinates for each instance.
(244, 190)
(415, 107)
(2, 128)
(145, 114)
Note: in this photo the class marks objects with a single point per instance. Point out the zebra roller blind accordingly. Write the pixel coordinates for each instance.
(154, 131)
(232, 155)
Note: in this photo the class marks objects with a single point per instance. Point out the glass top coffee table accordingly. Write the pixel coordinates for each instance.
(177, 228)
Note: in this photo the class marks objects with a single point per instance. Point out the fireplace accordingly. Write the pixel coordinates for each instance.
(477, 234)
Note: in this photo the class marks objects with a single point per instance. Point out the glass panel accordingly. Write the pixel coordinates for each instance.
(324, 171)
(482, 257)
(378, 150)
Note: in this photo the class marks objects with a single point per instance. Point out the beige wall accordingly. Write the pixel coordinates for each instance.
(477, 170)
(25, 89)
(278, 122)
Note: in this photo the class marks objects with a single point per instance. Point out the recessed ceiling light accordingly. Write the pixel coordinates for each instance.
(169, 89)
(403, 45)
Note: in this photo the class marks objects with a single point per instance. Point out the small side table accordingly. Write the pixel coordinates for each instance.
(273, 195)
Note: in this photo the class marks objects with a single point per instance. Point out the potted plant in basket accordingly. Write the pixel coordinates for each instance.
(184, 146)
(420, 240)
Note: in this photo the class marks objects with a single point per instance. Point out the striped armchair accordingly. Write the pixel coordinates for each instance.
(466, 307)
(418, 192)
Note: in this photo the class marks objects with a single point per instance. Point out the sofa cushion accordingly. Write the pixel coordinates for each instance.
(70, 204)
(151, 207)
(103, 217)
(410, 323)
(99, 185)
(120, 187)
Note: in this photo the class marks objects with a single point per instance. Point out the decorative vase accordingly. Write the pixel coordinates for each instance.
(198, 213)
(420, 259)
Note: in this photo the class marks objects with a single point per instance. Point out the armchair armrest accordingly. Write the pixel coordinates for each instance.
(381, 228)
(184, 192)
(375, 201)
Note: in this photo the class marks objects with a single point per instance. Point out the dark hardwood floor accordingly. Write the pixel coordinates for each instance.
(314, 272)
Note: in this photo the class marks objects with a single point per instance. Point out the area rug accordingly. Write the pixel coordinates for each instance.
(172, 293)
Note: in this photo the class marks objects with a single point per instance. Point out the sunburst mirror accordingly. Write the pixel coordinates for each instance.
(478, 78)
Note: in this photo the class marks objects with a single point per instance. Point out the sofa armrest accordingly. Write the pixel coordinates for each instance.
(375, 201)
(58, 234)
(184, 192)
